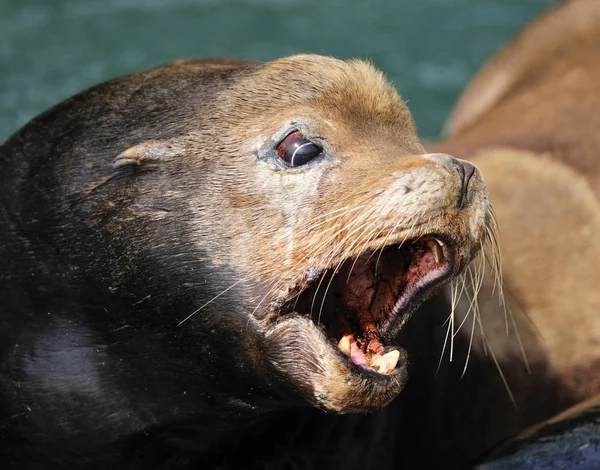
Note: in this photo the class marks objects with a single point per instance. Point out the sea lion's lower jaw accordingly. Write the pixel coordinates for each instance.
(329, 333)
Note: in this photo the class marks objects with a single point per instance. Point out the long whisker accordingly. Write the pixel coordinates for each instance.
(344, 212)
(519, 340)
(443, 350)
(451, 326)
(372, 234)
(371, 237)
(470, 345)
(474, 308)
(472, 301)
(504, 381)
(495, 261)
(456, 296)
(209, 302)
(414, 219)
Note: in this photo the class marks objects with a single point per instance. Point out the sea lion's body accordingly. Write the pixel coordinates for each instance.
(58, 372)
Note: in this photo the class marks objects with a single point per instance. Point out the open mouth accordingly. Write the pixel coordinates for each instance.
(363, 301)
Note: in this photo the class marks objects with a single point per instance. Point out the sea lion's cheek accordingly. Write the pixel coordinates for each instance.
(259, 217)
(291, 194)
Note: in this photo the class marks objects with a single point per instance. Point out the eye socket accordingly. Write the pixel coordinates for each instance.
(296, 150)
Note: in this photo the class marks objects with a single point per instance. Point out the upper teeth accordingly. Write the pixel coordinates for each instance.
(435, 246)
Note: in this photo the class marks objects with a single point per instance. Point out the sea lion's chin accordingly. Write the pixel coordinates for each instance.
(332, 336)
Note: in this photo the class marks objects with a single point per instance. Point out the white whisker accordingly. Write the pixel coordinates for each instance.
(209, 302)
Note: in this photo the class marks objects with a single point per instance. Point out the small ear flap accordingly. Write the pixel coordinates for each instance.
(149, 150)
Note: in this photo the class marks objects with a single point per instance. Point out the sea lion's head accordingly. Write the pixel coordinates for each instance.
(279, 222)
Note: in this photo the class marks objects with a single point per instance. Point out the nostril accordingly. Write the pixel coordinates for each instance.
(466, 171)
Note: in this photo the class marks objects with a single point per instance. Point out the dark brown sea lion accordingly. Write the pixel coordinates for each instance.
(530, 123)
(190, 250)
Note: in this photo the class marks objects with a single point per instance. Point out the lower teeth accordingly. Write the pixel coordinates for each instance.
(382, 364)
(386, 363)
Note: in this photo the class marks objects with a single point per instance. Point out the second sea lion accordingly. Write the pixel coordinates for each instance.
(530, 122)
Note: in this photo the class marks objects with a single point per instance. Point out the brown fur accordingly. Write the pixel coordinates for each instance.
(530, 122)
(549, 99)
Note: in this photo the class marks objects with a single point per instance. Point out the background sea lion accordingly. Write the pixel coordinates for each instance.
(529, 121)
(192, 248)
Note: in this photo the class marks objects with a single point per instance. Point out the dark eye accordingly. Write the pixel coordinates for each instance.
(296, 150)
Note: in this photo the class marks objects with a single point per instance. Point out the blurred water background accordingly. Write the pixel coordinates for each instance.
(51, 49)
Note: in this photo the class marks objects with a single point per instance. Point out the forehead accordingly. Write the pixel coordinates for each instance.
(352, 93)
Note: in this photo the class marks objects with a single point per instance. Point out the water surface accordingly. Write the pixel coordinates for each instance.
(51, 49)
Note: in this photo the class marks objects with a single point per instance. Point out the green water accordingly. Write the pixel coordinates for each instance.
(50, 49)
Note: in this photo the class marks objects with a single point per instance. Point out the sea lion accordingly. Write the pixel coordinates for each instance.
(197, 247)
(530, 123)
